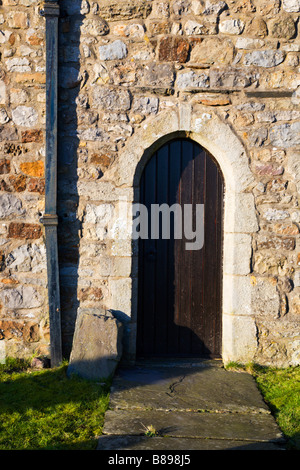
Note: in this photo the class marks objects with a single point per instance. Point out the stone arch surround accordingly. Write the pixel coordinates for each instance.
(239, 341)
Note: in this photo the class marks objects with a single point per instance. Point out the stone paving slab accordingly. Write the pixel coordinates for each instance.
(175, 444)
(186, 389)
(253, 427)
(192, 406)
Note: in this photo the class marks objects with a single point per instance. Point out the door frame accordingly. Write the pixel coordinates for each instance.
(239, 329)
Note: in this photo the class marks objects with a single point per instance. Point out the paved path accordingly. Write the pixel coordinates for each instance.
(195, 405)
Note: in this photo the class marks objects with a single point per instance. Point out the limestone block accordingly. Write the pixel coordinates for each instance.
(237, 295)
(2, 92)
(266, 263)
(276, 243)
(239, 338)
(232, 26)
(192, 80)
(19, 259)
(10, 204)
(296, 96)
(160, 9)
(145, 105)
(214, 7)
(121, 295)
(231, 78)
(27, 258)
(271, 214)
(240, 216)
(132, 30)
(111, 99)
(17, 64)
(4, 36)
(265, 298)
(291, 6)
(96, 28)
(181, 7)
(237, 253)
(161, 75)
(25, 116)
(92, 134)
(249, 43)
(101, 213)
(293, 167)
(117, 10)
(268, 58)
(245, 295)
(113, 51)
(213, 50)
(282, 27)
(21, 297)
(194, 28)
(97, 344)
(18, 20)
(285, 135)
(3, 115)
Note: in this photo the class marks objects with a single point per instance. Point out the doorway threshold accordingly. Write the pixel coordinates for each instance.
(178, 362)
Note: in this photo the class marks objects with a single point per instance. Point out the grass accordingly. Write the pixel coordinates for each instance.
(47, 410)
(281, 391)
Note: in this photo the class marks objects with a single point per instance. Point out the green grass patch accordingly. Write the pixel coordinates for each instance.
(47, 410)
(281, 391)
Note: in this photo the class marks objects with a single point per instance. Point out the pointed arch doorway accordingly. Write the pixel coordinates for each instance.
(180, 289)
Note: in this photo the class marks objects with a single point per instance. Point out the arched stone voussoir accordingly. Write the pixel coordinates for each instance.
(203, 127)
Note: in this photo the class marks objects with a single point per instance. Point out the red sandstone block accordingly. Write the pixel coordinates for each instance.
(22, 230)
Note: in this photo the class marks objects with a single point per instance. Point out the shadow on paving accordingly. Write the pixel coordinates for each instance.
(187, 405)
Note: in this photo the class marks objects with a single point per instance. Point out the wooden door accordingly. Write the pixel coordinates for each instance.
(179, 301)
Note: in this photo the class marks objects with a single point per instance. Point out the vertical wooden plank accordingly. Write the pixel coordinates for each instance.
(198, 274)
(141, 274)
(184, 310)
(211, 267)
(173, 259)
(161, 257)
(148, 288)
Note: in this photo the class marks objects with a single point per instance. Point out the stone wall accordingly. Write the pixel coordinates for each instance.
(24, 316)
(123, 66)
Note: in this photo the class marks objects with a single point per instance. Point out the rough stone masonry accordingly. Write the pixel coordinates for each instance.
(122, 65)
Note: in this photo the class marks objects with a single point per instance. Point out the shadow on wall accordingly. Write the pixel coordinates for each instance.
(69, 227)
(79, 140)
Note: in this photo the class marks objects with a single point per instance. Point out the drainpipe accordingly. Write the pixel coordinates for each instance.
(50, 11)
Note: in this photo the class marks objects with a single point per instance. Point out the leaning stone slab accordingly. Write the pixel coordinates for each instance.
(97, 344)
